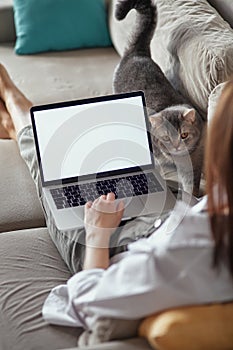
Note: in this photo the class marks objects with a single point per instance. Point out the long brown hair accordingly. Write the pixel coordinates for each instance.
(219, 176)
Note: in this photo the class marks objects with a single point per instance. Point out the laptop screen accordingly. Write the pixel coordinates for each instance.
(104, 136)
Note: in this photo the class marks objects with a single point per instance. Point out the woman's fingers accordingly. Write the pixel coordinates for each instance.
(88, 205)
(106, 204)
(110, 196)
(97, 200)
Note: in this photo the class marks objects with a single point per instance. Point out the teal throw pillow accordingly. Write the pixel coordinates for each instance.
(55, 25)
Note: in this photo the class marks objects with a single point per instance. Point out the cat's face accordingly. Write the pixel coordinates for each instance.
(175, 132)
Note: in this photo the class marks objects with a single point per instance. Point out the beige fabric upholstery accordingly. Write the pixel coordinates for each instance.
(225, 8)
(7, 27)
(192, 43)
(213, 100)
(6, 3)
(20, 207)
(59, 76)
(30, 268)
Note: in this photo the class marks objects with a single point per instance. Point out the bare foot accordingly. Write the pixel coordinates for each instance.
(9, 92)
(7, 130)
(16, 104)
(6, 84)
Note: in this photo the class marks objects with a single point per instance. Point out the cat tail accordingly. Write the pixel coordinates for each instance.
(139, 42)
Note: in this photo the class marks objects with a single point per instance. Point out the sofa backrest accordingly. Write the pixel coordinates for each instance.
(7, 26)
(225, 9)
(192, 44)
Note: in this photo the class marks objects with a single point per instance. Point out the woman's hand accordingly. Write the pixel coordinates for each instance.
(102, 217)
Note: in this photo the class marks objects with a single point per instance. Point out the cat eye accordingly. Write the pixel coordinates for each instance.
(166, 138)
(184, 135)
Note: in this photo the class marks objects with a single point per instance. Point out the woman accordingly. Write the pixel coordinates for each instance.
(219, 173)
(187, 261)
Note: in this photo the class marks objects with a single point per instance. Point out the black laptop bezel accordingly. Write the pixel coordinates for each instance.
(67, 181)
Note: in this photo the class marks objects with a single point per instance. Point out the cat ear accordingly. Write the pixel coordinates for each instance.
(190, 115)
(152, 121)
(155, 120)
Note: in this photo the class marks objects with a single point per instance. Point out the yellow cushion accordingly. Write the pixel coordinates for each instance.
(207, 327)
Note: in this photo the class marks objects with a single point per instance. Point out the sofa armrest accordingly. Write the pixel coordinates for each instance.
(7, 26)
(20, 207)
(213, 100)
(225, 8)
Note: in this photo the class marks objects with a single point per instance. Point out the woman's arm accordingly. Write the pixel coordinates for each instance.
(153, 275)
(102, 217)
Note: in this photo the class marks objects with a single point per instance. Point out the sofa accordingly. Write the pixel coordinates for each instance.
(30, 263)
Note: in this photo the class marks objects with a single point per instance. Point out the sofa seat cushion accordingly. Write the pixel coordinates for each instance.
(30, 267)
(67, 75)
(192, 44)
(20, 207)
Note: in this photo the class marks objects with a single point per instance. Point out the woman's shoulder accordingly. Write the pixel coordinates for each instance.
(186, 227)
(191, 225)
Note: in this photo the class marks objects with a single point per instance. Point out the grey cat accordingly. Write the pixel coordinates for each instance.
(177, 129)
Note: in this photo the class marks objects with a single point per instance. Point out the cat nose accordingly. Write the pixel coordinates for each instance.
(176, 145)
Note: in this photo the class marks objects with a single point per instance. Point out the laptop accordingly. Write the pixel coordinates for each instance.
(94, 146)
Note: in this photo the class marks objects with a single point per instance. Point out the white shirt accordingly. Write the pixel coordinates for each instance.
(173, 267)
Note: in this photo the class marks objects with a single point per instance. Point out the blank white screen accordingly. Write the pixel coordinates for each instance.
(92, 138)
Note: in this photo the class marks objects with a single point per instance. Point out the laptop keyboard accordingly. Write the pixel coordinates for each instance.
(123, 187)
